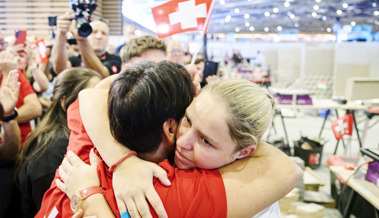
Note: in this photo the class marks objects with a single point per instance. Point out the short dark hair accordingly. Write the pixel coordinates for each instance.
(142, 98)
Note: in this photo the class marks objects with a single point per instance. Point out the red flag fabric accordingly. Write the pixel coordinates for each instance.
(178, 16)
(343, 126)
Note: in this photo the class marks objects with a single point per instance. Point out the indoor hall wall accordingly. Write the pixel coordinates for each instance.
(32, 15)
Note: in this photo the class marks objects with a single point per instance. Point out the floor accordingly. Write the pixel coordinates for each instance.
(308, 123)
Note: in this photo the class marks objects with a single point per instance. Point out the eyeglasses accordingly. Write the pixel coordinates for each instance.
(176, 51)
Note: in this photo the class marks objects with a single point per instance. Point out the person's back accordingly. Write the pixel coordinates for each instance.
(45, 148)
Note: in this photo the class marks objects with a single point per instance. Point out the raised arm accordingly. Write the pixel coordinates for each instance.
(260, 180)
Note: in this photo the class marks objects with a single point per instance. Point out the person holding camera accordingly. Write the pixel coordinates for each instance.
(93, 53)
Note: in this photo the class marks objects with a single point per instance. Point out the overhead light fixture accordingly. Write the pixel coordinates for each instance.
(222, 2)
(353, 23)
(374, 4)
(377, 22)
(279, 28)
(237, 29)
(266, 29)
(247, 24)
(314, 14)
(376, 13)
(296, 24)
(286, 4)
(267, 14)
(318, 1)
(228, 18)
(339, 12)
(323, 18)
(275, 10)
(292, 16)
(316, 7)
(251, 28)
(236, 10)
(246, 16)
(329, 29)
(345, 5)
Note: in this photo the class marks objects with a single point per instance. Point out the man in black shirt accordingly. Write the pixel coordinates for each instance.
(92, 48)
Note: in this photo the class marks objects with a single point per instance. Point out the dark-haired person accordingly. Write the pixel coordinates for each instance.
(93, 53)
(46, 146)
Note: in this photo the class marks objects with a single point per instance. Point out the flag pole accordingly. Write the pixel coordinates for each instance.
(205, 28)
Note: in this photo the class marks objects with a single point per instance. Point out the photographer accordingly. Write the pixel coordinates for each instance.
(92, 48)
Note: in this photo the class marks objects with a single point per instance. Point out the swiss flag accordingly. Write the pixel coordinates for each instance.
(177, 16)
(343, 126)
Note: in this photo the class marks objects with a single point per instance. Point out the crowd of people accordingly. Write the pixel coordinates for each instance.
(102, 121)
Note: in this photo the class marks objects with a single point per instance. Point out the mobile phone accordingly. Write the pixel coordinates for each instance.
(20, 37)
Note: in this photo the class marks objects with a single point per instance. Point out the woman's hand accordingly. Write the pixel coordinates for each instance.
(9, 93)
(133, 187)
(77, 175)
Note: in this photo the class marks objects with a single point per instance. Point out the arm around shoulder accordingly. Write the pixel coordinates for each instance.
(254, 183)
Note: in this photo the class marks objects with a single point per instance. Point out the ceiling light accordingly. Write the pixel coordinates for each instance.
(267, 14)
(292, 16)
(275, 10)
(228, 18)
(266, 29)
(323, 18)
(339, 12)
(314, 14)
(318, 1)
(222, 2)
(296, 25)
(246, 16)
(236, 10)
(286, 4)
(329, 29)
(376, 13)
(251, 28)
(237, 29)
(316, 7)
(279, 28)
(247, 24)
(373, 4)
(345, 5)
(377, 22)
(353, 23)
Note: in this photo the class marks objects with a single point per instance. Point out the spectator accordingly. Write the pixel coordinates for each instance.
(45, 147)
(175, 52)
(9, 146)
(28, 104)
(129, 32)
(93, 53)
(237, 57)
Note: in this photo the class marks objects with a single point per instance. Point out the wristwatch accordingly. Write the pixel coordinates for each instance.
(11, 117)
(80, 196)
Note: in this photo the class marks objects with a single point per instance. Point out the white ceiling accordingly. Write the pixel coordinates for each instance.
(298, 15)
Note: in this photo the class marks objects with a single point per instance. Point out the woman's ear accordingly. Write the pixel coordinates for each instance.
(169, 130)
(246, 151)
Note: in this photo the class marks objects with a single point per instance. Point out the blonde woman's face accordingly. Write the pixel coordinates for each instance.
(203, 138)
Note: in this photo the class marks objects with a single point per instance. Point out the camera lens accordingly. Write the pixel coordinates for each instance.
(84, 29)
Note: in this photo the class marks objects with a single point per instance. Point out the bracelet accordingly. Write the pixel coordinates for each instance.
(128, 154)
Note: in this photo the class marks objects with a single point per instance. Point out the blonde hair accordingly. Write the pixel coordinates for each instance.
(137, 46)
(250, 106)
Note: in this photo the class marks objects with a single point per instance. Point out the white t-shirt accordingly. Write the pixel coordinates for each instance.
(272, 211)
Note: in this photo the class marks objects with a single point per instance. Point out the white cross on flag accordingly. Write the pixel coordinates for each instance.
(343, 126)
(178, 16)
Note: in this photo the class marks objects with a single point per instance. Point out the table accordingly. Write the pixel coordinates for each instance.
(328, 104)
(364, 188)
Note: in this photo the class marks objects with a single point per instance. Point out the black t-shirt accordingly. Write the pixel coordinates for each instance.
(112, 62)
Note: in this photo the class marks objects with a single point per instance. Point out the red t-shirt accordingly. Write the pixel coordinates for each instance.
(192, 193)
(25, 90)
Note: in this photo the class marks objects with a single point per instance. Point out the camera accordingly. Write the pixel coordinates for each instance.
(83, 10)
(52, 20)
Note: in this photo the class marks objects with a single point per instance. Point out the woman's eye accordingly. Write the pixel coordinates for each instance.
(187, 120)
(205, 141)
